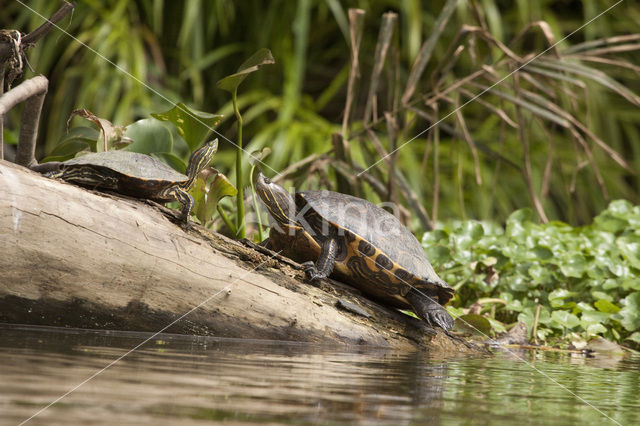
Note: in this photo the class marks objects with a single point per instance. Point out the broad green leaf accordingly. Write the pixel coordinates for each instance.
(149, 136)
(208, 196)
(556, 297)
(473, 323)
(194, 126)
(565, 319)
(516, 221)
(76, 140)
(172, 160)
(595, 328)
(629, 315)
(629, 246)
(635, 337)
(258, 59)
(88, 135)
(594, 317)
(573, 265)
(606, 306)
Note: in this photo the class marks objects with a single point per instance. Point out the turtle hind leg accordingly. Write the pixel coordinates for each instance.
(324, 265)
(428, 308)
(182, 196)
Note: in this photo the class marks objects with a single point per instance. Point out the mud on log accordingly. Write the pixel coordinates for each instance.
(78, 258)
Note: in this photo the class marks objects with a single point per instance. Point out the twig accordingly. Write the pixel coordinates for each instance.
(526, 155)
(535, 324)
(33, 92)
(34, 36)
(384, 40)
(341, 152)
(356, 25)
(427, 49)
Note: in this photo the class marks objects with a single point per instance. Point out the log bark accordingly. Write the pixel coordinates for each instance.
(73, 257)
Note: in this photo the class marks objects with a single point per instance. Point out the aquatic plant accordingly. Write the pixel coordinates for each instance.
(563, 282)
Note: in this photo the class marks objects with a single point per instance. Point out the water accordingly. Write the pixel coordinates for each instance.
(196, 380)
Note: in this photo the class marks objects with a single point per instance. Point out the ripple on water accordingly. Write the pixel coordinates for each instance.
(191, 379)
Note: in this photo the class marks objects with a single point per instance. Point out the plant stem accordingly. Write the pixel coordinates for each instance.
(226, 220)
(240, 229)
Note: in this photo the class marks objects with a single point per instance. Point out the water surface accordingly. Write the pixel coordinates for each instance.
(198, 380)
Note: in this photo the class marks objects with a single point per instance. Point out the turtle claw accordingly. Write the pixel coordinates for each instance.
(312, 272)
(440, 318)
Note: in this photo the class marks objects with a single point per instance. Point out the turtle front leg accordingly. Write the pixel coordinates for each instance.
(428, 308)
(179, 194)
(324, 265)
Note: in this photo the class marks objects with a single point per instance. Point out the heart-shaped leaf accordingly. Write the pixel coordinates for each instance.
(77, 139)
(149, 136)
(231, 82)
(208, 196)
(257, 156)
(194, 126)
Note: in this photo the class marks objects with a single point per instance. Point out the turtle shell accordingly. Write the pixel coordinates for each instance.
(131, 164)
(136, 174)
(371, 231)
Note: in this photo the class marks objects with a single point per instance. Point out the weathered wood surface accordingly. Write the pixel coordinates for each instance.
(79, 258)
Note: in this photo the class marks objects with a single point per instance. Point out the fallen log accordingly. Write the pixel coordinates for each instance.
(72, 257)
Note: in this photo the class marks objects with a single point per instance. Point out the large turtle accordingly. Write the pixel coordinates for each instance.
(358, 242)
(138, 175)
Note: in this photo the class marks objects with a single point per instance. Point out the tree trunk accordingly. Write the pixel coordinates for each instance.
(72, 257)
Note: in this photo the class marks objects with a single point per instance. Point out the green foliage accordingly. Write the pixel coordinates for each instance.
(230, 84)
(209, 190)
(586, 279)
(192, 125)
(566, 121)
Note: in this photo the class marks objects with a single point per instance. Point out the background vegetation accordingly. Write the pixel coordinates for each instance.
(473, 165)
(559, 136)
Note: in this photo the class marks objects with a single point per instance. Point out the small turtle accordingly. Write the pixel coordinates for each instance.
(138, 175)
(358, 242)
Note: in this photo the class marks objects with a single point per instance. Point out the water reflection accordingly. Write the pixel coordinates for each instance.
(185, 380)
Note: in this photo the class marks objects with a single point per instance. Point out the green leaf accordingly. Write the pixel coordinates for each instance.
(172, 160)
(474, 324)
(629, 316)
(194, 126)
(207, 198)
(573, 265)
(606, 306)
(515, 222)
(629, 246)
(565, 319)
(590, 318)
(258, 59)
(635, 337)
(556, 297)
(149, 136)
(595, 329)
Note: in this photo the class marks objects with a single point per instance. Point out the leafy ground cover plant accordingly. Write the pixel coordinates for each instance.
(566, 284)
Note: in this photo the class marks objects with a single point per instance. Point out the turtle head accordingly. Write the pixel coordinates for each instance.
(279, 202)
(200, 158)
